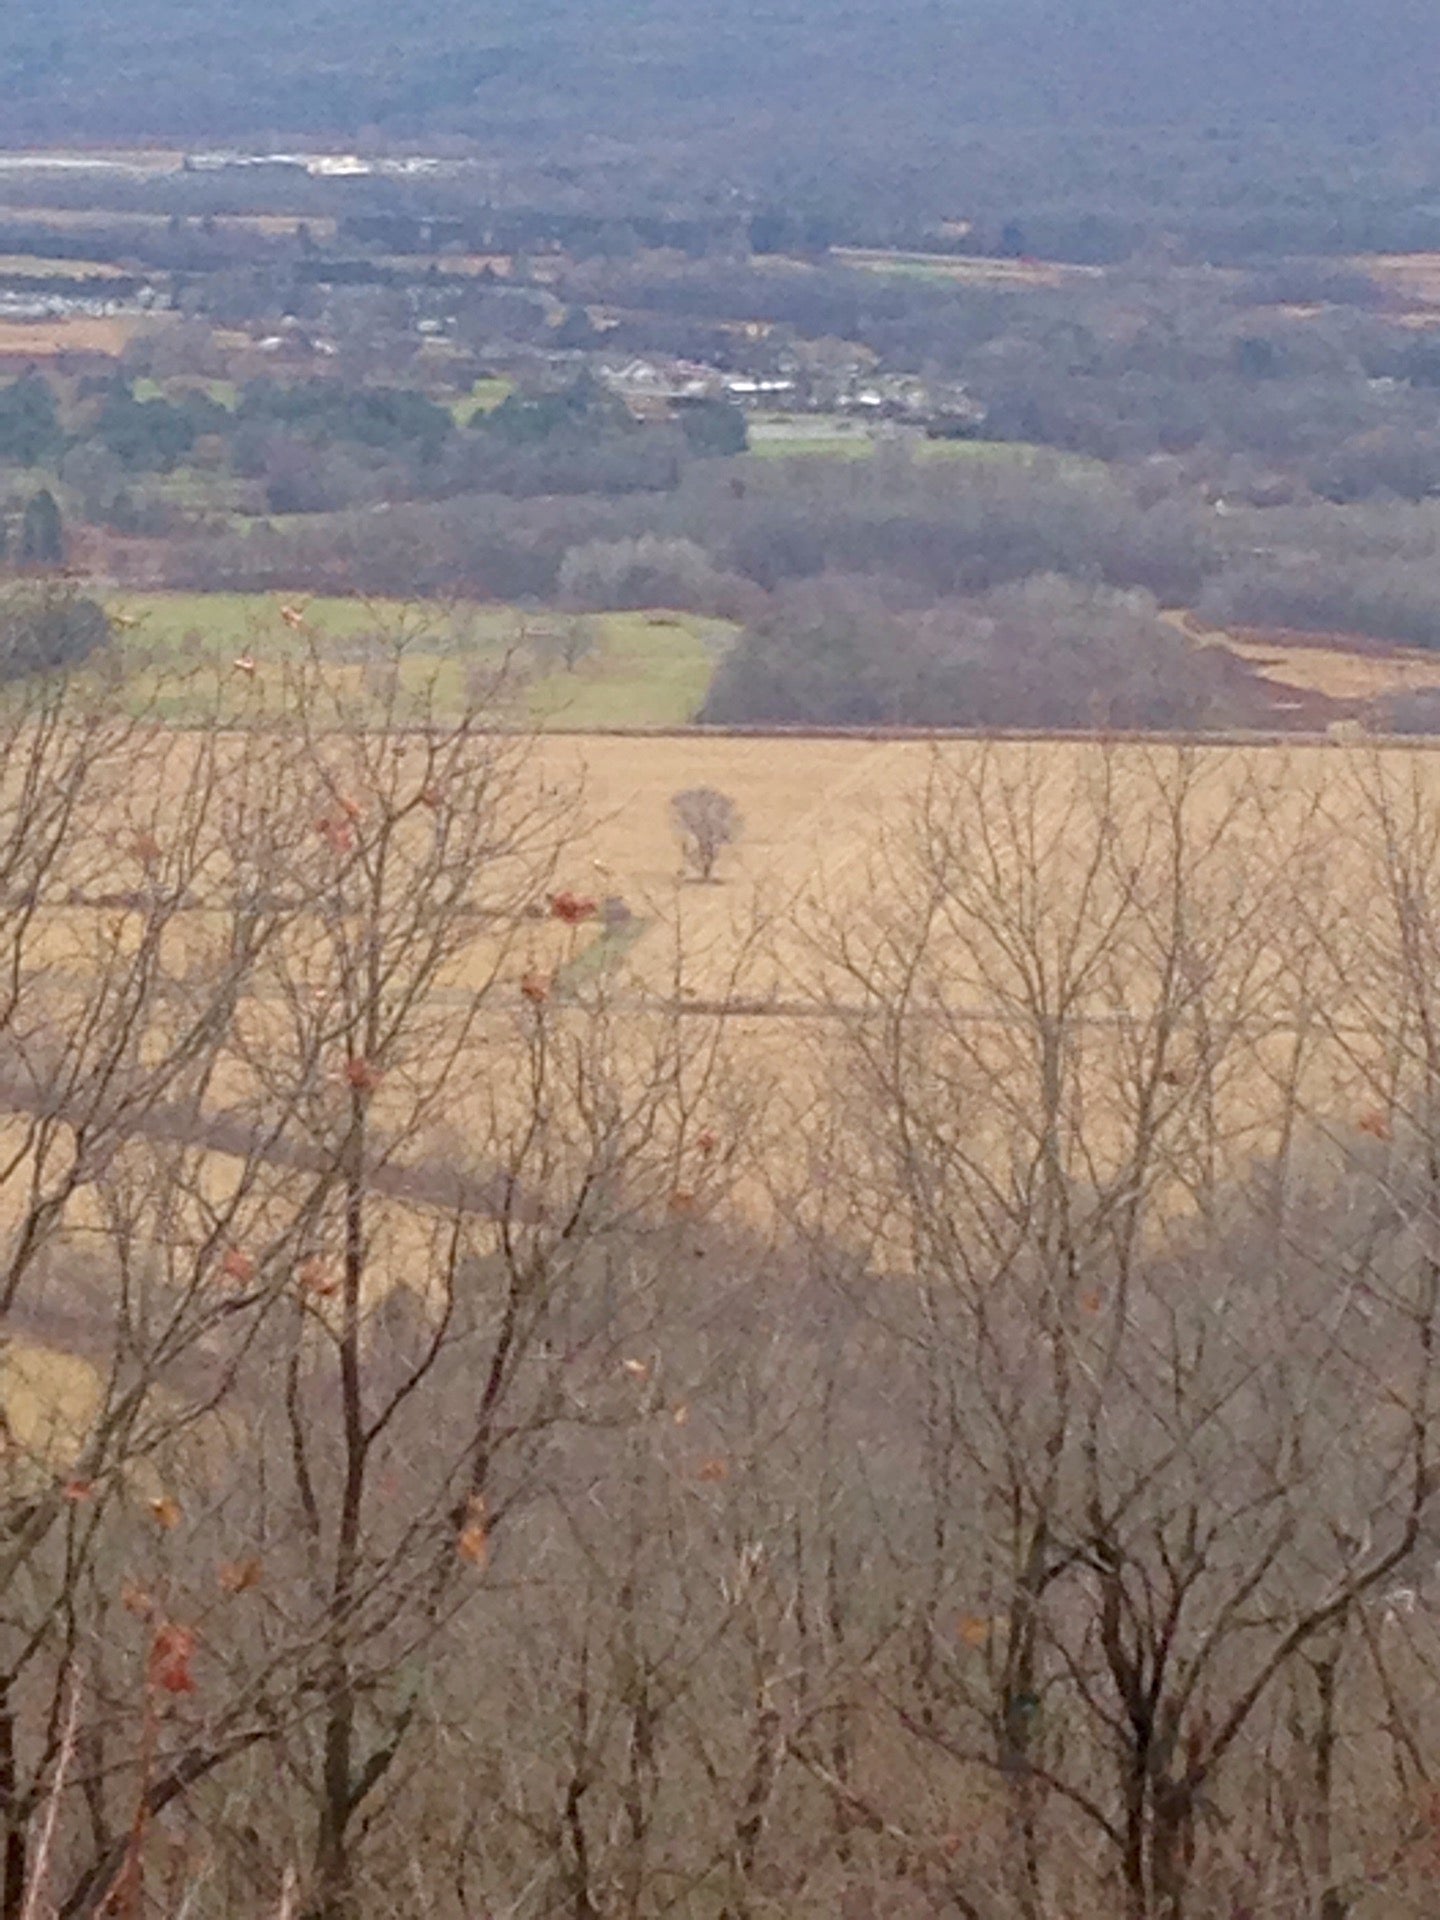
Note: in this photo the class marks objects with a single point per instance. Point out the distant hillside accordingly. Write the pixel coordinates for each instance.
(894, 73)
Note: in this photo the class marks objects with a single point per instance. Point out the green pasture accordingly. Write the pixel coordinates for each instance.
(178, 655)
(793, 436)
(1018, 452)
(225, 393)
(484, 397)
(200, 489)
(796, 436)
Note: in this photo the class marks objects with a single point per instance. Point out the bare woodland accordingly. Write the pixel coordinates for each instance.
(482, 1446)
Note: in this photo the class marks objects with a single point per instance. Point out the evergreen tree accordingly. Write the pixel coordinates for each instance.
(714, 427)
(42, 532)
(29, 423)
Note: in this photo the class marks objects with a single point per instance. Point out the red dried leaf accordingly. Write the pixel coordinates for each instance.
(238, 1266)
(136, 1600)
(1376, 1123)
(78, 1491)
(973, 1629)
(572, 909)
(682, 1201)
(706, 1141)
(713, 1472)
(432, 796)
(239, 1576)
(536, 989)
(338, 834)
(473, 1544)
(315, 1277)
(166, 1513)
(146, 849)
(171, 1652)
(360, 1075)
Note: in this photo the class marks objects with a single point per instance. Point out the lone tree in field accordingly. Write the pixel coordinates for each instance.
(565, 643)
(707, 821)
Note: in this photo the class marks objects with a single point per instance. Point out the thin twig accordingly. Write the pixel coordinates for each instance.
(40, 1875)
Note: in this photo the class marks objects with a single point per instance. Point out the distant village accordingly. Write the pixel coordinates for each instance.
(808, 377)
(426, 294)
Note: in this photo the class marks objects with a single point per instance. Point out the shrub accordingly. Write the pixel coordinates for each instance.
(44, 629)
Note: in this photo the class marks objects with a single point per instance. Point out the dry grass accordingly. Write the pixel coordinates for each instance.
(51, 339)
(1335, 670)
(1413, 277)
(809, 808)
(1346, 667)
(815, 812)
(29, 266)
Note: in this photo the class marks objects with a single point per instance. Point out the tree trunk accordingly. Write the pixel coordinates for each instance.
(334, 1880)
(13, 1860)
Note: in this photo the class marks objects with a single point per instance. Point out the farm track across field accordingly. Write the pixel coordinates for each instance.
(486, 1197)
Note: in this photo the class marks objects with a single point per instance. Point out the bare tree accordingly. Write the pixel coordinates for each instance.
(563, 641)
(1159, 1522)
(327, 1238)
(706, 822)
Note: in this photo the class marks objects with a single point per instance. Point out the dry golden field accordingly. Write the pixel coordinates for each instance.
(1342, 667)
(1209, 926)
(79, 334)
(1413, 277)
(826, 822)
(1338, 670)
(1277, 854)
(129, 220)
(1070, 848)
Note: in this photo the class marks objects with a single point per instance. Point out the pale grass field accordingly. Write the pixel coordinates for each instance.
(1338, 673)
(821, 856)
(814, 859)
(22, 266)
(816, 814)
(48, 339)
(1415, 277)
(1331, 665)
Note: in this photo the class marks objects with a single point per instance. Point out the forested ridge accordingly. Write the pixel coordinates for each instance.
(156, 65)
